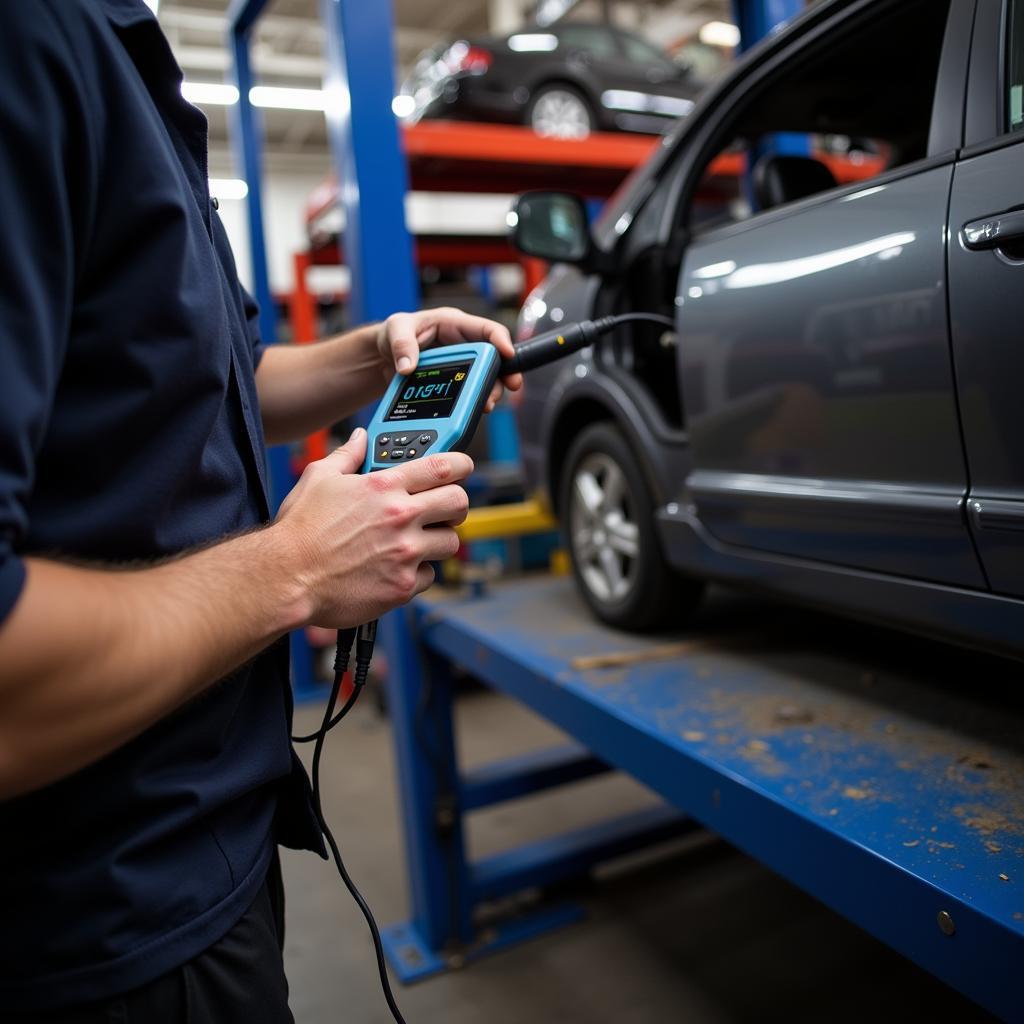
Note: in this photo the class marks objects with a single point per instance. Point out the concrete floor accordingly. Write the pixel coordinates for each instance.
(703, 934)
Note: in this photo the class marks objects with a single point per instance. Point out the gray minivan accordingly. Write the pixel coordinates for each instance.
(837, 415)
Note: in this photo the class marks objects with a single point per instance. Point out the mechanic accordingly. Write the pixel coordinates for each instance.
(146, 772)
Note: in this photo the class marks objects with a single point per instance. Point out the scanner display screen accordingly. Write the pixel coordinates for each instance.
(429, 393)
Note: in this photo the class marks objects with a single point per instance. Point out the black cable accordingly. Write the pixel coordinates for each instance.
(364, 652)
(654, 318)
(332, 843)
(345, 709)
(342, 652)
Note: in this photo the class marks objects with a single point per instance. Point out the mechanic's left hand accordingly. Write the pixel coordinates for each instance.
(402, 335)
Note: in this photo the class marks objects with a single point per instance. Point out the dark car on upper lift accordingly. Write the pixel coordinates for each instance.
(837, 415)
(564, 81)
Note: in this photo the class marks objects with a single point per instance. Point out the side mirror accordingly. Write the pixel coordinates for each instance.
(551, 225)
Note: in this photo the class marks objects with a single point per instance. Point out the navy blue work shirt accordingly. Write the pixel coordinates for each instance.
(129, 431)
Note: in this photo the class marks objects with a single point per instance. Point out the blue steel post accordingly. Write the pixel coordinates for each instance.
(370, 164)
(248, 143)
(759, 18)
(420, 707)
(373, 183)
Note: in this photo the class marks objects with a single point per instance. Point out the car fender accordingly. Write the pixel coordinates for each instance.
(579, 399)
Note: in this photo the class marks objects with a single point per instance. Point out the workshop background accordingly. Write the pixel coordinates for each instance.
(514, 875)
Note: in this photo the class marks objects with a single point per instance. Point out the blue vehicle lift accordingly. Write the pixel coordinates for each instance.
(864, 782)
(910, 826)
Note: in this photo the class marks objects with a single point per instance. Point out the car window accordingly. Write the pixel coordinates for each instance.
(641, 52)
(823, 123)
(1015, 67)
(596, 41)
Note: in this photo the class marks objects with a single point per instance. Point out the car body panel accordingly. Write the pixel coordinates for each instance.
(969, 617)
(986, 291)
(816, 375)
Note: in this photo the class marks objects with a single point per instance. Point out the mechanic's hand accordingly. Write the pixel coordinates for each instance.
(362, 544)
(402, 335)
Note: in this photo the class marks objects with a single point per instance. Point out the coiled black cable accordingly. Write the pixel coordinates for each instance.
(364, 652)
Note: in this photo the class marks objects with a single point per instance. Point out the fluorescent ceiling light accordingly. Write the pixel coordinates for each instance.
(220, 95)
(403, 106)
(214, 93)
(228, 188)
(529, 42)
(719, 33)
(286, 99)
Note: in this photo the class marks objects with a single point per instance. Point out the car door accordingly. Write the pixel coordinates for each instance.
(814, 356)
(986, 292)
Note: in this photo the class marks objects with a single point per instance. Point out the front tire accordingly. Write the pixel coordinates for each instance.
(560, 112)
(608, 522)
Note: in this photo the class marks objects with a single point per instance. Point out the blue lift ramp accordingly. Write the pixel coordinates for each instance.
(880, 773)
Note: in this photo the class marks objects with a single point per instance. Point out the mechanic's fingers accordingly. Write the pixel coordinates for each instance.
(455, 325)
(440, 542)
(424, 577)
(350, 456)
(448, 504)
(433, 471)
(405, 349)
(494, 397)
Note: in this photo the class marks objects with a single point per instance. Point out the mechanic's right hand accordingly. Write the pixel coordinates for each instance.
(362, 544)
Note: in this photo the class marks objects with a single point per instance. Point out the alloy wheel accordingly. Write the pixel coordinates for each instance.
(604, 532)
(561, 114)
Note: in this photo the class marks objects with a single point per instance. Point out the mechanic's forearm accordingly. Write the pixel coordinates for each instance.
(90, 658)
(305, 387)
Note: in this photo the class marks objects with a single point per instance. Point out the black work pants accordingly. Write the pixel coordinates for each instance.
(238, 980)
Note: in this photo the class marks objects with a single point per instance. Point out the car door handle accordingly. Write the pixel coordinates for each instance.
(993, 231)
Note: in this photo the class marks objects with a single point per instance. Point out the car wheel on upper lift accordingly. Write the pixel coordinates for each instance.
(560, 112)
(608, 521)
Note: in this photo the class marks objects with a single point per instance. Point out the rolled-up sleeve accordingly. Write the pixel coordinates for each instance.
(38, 157)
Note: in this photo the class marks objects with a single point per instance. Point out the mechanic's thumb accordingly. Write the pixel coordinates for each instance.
(406, 354)
(350, 456)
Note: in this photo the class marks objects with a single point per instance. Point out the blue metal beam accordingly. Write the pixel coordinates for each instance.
(573, 853)
(529, 773)
(370, 164)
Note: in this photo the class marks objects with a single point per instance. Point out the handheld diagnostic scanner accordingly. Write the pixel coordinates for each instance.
(436, 408)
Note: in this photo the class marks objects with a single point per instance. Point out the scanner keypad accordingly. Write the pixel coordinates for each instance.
(413, 446)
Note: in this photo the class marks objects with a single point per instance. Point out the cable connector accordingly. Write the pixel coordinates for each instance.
(343, 651)
(366, 637)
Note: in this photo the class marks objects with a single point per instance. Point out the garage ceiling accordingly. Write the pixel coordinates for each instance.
(287, 48)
